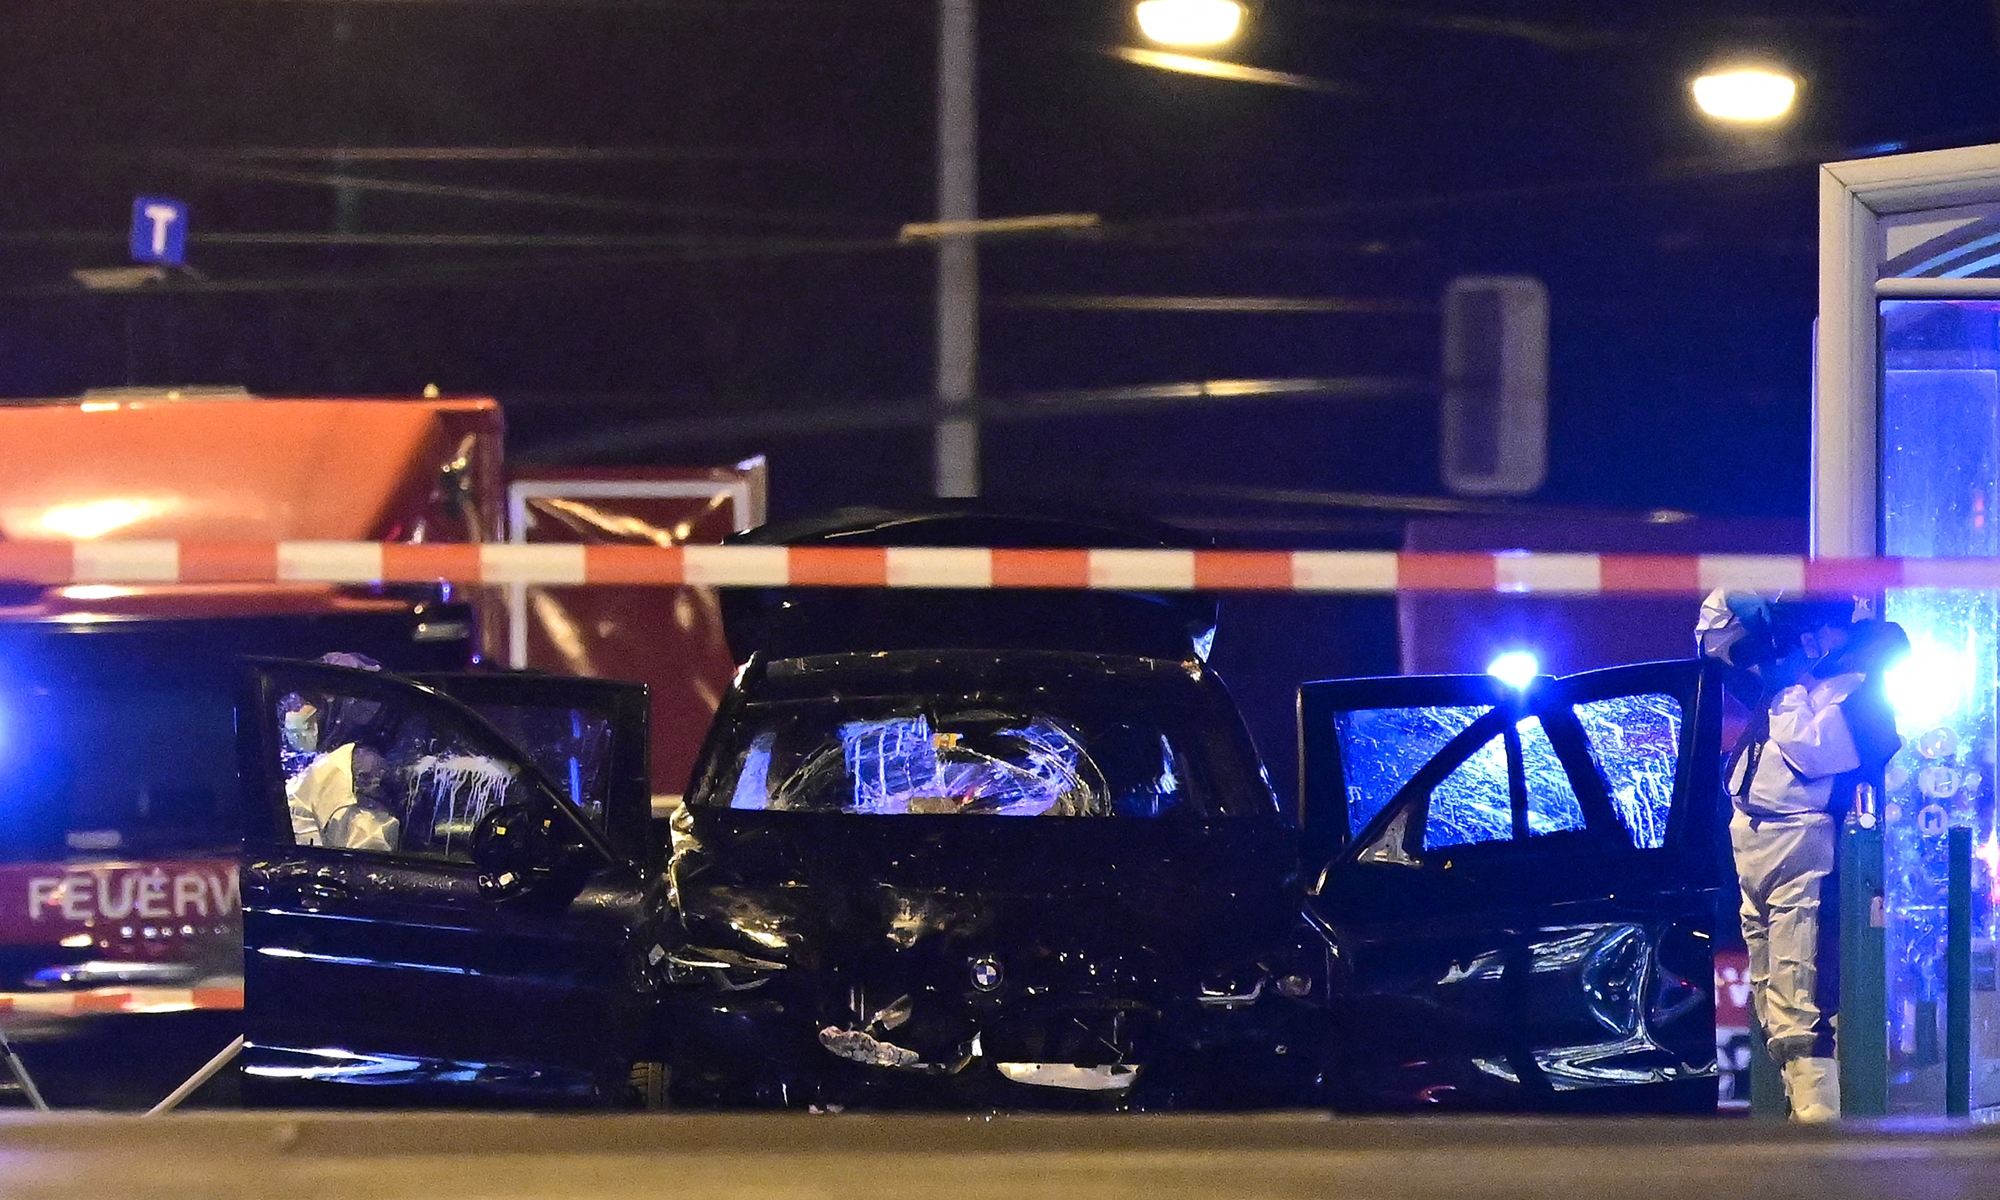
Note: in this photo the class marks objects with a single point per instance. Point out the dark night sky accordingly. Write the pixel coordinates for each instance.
(1467, 136)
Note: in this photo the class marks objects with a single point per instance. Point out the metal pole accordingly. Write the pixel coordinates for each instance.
(21, 1076)
(208, 1071)
(1863, 1045)
(957, 438)
(1958, 975)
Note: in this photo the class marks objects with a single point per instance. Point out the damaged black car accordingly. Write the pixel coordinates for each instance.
(983, 850)
(1517, 888)
(998, 880)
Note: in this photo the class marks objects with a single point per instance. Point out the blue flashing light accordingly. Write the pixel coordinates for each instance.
(1516, 668)
(1929, 687)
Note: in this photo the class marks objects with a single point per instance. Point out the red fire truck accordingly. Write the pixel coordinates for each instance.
(119, 806)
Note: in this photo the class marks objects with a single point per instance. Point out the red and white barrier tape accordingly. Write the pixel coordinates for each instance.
(1331, 571)
(96, 1001)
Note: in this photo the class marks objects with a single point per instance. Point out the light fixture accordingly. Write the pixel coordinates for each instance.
(1189, 22)
(1746, 95)
(1516, 668)
(95, 518)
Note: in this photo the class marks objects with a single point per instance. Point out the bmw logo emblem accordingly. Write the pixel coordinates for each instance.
(986, 973)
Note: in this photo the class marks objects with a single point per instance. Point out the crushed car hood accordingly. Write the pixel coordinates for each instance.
(809, 889)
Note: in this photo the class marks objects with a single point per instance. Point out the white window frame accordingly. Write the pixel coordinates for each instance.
(1859, 202)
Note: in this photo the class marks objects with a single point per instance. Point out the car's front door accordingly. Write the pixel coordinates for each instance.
(1518, 886)
(383, 964)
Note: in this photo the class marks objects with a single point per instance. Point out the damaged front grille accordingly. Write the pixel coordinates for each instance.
(935, 1034)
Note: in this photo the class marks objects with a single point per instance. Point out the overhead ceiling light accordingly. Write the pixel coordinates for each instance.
(1746, 94)
(1189, 22)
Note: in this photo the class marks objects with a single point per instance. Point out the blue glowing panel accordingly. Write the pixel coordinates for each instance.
(1636, 743)
(1939, 475)
(1382, 749)
(1940, 480)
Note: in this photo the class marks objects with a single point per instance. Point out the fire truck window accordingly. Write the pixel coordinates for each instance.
(92, 767)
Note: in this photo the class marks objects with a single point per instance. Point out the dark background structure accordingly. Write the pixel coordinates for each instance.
(664, 230)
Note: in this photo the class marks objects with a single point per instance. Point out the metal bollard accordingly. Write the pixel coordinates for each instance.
(1767, 1082)
(1863, 1043)
(1958, 975)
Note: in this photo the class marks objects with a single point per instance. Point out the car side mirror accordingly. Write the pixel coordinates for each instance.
(511, 846)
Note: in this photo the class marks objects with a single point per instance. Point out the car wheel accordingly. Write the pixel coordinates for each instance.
(646, 1087)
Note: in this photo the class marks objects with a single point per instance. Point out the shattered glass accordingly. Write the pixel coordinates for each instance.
(447, 793)
(904, 765)
(1382, 749)
(1472, 803)
(985, 755)
(1552, 803)
(1636, 743)
(421, 782)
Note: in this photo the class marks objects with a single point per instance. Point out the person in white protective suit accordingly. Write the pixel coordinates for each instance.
(1819, 726)
(337, 802)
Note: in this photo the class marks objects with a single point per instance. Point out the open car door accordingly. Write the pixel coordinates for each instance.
(438, 911)
(1518, 886)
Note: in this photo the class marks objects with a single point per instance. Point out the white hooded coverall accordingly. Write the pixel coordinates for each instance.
(1780, 783)
(327, 808)
(1784, 841)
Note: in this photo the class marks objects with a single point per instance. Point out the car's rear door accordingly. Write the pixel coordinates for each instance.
(1518, 885)
(380, 967)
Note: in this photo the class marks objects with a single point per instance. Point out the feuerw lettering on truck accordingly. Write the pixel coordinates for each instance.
(46, 902)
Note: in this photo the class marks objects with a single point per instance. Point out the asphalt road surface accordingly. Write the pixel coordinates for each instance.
(443, 1156)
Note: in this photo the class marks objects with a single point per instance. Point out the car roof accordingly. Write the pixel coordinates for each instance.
(805, 621)
(945, 671)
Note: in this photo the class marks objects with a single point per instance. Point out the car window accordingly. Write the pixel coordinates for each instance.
(377, 774)
(572, 746)
(1472, 804)
(1592, 762)
(1636, 743)
(1475, 802)
(977, 755)
(1382, 749)
(1552, 803)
